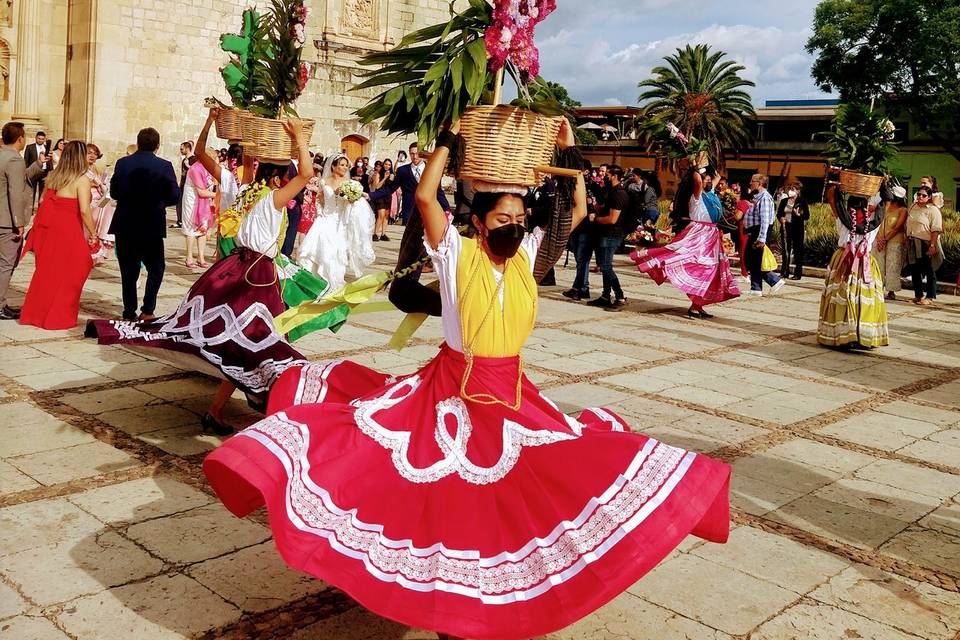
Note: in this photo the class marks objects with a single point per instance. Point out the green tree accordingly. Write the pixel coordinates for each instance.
(703, 95)
(903, 53)
(568, 104)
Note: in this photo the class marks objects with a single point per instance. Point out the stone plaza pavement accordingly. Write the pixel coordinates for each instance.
(845, 493)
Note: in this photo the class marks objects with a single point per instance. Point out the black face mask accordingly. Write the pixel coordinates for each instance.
(504, 242)
(708, 188)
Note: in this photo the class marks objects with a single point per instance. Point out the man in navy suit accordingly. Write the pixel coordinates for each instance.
(143, 186)
(407, 293)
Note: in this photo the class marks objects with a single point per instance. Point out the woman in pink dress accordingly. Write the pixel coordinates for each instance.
(198, 211)
(695, 261)
(99, 204)
(62, 250)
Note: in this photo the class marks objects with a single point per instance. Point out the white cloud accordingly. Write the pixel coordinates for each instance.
(604, 64)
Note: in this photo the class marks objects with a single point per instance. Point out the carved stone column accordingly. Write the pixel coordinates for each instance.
(26, 99)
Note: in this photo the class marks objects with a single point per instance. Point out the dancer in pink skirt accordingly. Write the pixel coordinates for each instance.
(695, 261)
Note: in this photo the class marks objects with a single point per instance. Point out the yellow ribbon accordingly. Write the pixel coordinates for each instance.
(353, 295)
(410, 324)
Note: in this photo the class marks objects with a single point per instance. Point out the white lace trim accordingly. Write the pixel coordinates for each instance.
(257, 380)
(313, 384)
(454, 447)
(511, 576)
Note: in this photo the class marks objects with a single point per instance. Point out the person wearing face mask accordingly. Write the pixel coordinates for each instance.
(459, 498)
(226, 318)
(609, 237)
(695, 261)
(792, 214)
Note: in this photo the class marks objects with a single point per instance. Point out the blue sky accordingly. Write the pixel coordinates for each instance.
(601, 49)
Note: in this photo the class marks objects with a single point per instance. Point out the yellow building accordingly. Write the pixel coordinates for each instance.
(100, 70)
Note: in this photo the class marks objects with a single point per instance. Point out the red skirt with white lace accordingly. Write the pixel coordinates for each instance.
(466, 518)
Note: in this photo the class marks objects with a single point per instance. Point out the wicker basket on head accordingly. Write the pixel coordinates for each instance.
(230, 124)
(268, 141)
(860, 184)
(506, 144)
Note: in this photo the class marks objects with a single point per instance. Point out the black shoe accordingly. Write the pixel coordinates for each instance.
(209, 424)
(617, 305)
(376, 238)
(384, 238)
(794, 277)
(9, 313)
(573, 294)
(175, 225)
(601, 302)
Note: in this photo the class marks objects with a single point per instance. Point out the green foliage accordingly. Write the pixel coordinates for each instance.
(247, 48)
(276, 77)
(904, 53)
(703, 94)
(433, 74)
(860, 140)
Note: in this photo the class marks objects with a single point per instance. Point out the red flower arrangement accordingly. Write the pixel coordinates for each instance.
(510, 34)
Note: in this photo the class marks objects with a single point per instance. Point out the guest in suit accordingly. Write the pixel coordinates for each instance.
(407, 293)
(16, 206)
(32, 154)
(143, 186)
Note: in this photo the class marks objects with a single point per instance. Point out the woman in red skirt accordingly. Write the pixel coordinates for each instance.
(459, 498)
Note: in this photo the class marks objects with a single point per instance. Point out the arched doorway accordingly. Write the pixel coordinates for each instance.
(354, 146)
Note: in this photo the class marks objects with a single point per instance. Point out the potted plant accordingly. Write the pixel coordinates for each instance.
(443, 73)
(861, 143)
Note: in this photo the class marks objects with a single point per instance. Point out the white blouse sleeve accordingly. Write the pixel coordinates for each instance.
(531, 244)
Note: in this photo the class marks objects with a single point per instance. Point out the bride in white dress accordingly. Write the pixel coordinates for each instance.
(341, 237)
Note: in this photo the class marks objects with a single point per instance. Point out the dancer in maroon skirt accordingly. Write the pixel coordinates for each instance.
(459, 498)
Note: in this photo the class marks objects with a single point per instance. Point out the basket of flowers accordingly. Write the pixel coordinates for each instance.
(278, 80)
(453, 72)
(861, 143)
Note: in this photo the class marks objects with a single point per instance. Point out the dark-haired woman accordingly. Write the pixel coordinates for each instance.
(382, 178)
(459, 498)
(852, 308)
(695, 261)
(924, 252)
(227, 316)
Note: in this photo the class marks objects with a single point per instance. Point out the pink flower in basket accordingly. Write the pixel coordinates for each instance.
(510, 34)
(304, 76)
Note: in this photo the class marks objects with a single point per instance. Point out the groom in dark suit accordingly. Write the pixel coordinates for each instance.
(407, 293)
(143, 186)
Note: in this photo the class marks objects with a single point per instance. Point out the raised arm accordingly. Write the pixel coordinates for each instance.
(289, 191)
(428, 203)
(211, 165)
(83, 197)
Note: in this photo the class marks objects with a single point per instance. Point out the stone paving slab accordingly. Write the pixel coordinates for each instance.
(846, 476)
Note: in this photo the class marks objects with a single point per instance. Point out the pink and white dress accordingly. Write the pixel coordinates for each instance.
(694, 262)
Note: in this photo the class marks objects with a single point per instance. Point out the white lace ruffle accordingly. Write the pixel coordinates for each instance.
(531, 570)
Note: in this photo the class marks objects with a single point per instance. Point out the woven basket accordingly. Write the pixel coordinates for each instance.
(506, 144)
(268, 142)
(229, 124)
(859, 184)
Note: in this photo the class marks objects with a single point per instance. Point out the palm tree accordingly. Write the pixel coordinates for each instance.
(702, 94)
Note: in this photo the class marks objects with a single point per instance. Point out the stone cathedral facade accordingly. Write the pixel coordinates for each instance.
(100, 70)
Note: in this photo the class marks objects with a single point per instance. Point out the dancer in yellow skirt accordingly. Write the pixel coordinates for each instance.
(852, 307)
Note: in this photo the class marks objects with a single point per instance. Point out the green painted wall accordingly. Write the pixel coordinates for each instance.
(943, 166)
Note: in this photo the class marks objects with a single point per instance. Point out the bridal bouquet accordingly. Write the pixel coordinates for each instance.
(351, 191)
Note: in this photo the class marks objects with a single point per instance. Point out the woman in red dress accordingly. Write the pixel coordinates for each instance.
(459, 498)
(63, 253)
